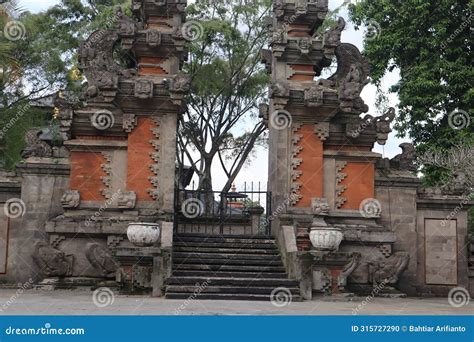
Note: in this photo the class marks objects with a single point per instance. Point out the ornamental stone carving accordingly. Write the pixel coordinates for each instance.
(320, 206)
(388, 271)
(153, 37)
(101, 259)
(51, 261)
(279, 89)
(71, 199)
(144, 89)
(382, 126)
(332, 37)
(406, 160)
(127, 200)
(181, 83)
(35, 147)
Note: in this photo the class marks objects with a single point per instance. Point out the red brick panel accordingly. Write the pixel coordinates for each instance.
(360, 182)
(139, 159)
(311, 179)
(86, 173)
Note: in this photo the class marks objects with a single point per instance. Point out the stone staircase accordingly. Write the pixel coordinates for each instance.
(232, 268)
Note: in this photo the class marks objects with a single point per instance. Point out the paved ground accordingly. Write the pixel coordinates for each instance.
(36, 302)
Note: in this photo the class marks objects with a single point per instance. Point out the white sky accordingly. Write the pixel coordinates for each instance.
(257, 171)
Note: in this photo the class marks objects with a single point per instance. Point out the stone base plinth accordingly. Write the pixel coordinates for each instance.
(142, 269)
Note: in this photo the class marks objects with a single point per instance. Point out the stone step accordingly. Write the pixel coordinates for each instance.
(191, 260)
(220, 239)
(246, 246)
(224, 250)
(228, 290)
(229, 268)
(222, 296)
(246, 282)
(204, 256)
(223, 274)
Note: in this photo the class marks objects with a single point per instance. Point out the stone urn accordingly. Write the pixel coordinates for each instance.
(326, 238)
(144, 234)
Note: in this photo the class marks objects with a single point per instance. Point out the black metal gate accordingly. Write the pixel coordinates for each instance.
(245, 213)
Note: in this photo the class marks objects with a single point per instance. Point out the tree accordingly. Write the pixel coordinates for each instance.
(228, 82)
(38, 57)
(430, 43)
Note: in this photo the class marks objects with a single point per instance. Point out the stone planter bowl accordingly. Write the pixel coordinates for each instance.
(144, 234)
(326, 239)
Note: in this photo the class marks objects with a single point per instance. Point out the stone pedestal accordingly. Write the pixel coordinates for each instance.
(331, 270)
(142, 269)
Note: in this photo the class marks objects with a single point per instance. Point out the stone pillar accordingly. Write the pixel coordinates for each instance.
(43, 182)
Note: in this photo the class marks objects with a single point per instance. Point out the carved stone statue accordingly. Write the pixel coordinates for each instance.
(333, 36)
(35, 147)
(405, 160)
(101, 259)
(51, 261)
(348, 269)
(388, 271)
(71, 199)
(144, 89)
(382, 126)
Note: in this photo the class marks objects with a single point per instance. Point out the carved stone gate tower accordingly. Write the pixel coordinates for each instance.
(329, 187)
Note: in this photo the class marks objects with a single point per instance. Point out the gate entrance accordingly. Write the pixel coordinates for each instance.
(235, 213)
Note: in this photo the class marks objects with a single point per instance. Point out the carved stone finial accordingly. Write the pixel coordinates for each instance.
(406, 160)
(332, 37)
(71, 199)
(35, 147)
(382, 126)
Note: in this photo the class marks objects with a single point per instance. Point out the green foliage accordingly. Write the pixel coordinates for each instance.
(430, 42)
(228, 82)
(43, 61)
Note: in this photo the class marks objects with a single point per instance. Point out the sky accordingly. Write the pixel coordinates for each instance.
(257, 170)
